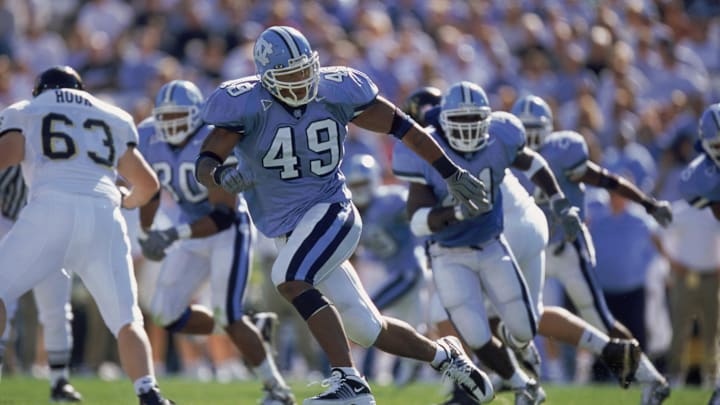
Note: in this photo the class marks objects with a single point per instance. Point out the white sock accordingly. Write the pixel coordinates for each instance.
(646, 372)
(593, 340)
(57, 373)
(519, 380)
(144, 384)
(267, 372)
(350, 371)
(440, 356)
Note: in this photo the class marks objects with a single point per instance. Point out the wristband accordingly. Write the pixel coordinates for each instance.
(648, 204)
(458, 211)
(401, 124)
(184, 231)
(445, 167)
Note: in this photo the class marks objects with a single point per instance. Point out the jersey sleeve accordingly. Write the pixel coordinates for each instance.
(146, 131)
(408, 166)
(568, 151)
(11, 119)
(348, 90)
(510, 131)
(227, 106)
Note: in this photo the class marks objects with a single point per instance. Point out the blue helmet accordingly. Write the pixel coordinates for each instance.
(363, 177)
(709, 132)
(177, 111)
(536, 117)
(288, 67)
(465, 116)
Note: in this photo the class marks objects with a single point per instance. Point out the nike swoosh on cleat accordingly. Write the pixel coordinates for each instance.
(358, 389)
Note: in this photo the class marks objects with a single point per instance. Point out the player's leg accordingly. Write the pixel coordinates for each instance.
(52, 299)
(106, 270)
(230, 262)
(365, 326)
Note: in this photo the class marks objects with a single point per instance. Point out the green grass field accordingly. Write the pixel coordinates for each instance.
(28, 391)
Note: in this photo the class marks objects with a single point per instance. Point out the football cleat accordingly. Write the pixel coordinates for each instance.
(715, 399)
(343, 389)
(531, 394)
(153, 397)
(655, 393)
(622, 356)
(278, 395)
(459, 397)
(461, 370)
(267, 324)
(530, 359)
(63, 391)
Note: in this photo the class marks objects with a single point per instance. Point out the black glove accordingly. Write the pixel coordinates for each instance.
(660, 210)
(468, 191)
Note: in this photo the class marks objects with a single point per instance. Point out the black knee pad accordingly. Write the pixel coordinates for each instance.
(309, 302)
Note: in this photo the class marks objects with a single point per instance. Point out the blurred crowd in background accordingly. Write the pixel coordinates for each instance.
(632, 76)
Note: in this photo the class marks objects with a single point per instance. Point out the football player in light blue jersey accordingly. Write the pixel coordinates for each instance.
(288, 123)
(567, 154)
(700, 183)
(213, 238)
(386, 239)
(470, 258)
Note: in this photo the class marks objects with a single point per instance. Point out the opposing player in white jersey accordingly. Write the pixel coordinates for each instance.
(72, 146)
(52, 298)
(573, 263)
(526, 231)
(470, 258)
(211, 241)
(288, 123)
(700, 185)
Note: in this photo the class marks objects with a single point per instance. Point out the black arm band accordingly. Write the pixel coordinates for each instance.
(401, 124)
(206, 154)
(222, 216)
(608, 181)
(155, 197)
(445, 167)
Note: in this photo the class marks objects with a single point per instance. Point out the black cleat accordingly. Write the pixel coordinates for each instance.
(153, 397)
(461, 370)
(622, 357)
(63, 391)
(459, 397)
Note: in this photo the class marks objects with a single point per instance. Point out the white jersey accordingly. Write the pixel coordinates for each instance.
(75, 130)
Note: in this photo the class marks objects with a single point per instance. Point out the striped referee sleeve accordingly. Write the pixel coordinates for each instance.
(13, 192)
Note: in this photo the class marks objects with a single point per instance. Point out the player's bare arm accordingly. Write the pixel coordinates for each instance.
(133, 167)
(215, 149)
(12, 149)
(220, 218)
(422, 202)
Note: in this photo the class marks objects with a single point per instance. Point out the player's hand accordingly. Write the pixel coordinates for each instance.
(468, 191)
(568, 216)
(660, 210)
(462, 212)
(231, 179)
(154, 245)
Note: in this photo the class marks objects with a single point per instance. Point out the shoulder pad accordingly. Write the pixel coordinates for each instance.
(570, 145)
(231, 101)
(342, 84)
(507, 128)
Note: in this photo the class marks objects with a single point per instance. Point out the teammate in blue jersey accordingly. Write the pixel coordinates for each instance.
(288, 123)
(470, 258)
(526, 231)
(567, 154)
(700, 182)
(210, 242)
(386, 239)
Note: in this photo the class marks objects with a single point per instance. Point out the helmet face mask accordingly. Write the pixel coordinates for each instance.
(465, 117)
(536, 117)
(177, 111)
(709, 132)
(288, 67)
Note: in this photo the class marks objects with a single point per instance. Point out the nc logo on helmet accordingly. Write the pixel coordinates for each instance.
(263, 49)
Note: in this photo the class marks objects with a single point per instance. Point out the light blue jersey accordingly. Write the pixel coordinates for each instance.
(566, 153)
(292, 154)
(506, 139)
(175, 168)
(700, 182)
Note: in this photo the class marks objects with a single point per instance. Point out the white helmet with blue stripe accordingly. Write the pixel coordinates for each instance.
(465, 116)
(536, 117)
(288, 67)
(177, 111)
(709, 132)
